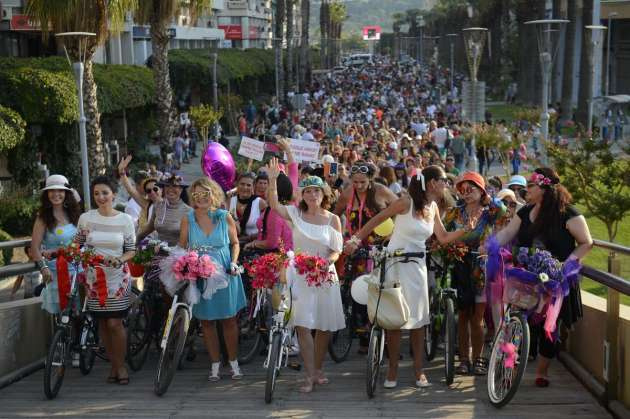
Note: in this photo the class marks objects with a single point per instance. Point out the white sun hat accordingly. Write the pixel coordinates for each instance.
(57, 182)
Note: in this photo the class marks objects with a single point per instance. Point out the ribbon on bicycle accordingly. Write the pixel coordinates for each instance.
(63, 279)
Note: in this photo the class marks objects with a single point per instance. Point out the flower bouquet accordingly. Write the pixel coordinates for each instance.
(315, 269)
(142, 258)
(452, 252)
(183, 266)
(265, 270)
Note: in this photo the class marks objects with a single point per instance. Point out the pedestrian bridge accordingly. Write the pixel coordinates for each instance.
(590, 381)
(190, 395)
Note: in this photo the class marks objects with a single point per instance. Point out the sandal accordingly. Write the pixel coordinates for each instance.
(112, 379)
(123, 381)
(307, 387)
(320, 379)
(542, 382)
(463, 368)
(481, 366)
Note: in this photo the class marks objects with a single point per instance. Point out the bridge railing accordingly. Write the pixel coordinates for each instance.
(595, 350)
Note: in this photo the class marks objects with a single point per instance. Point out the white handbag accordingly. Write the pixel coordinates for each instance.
(387, 304)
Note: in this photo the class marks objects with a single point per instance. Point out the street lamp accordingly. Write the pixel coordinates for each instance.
(473, 91)
(596, 39)
(548, 32)
(607, 85)
(420, 22)
(82, 39)
(451, 37)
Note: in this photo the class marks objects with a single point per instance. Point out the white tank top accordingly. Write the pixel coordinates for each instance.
(250, 227)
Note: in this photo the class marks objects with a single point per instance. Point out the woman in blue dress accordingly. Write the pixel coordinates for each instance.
(210, 230)
(55, 227)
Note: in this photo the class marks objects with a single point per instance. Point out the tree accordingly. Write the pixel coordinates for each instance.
(337, 16)
(305, 54)
(399, 20)
(288, 83)
(324, 23)
(586, 63)
(278, 41)
(574, 9)
(97, 16)
(597, 178)
(204, 116)
(159, 14)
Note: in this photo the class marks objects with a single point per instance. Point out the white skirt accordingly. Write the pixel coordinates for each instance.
(315, 308)
(413, 281)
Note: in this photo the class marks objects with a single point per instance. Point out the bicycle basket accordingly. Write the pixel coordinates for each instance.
(520, 289)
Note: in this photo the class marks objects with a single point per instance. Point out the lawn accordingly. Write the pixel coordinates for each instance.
(598, 258)
(504, 111)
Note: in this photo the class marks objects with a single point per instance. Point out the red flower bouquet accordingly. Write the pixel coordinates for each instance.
(316, 270)
(265, 270)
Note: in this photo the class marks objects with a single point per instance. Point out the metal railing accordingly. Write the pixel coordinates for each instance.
(614, 351)
(10, 270)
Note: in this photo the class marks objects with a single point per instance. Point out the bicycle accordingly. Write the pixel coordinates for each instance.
(64, 342)
(376, 345)
(253, 323)
(442, 301)
(279, 343)
(146, 319)
(341, 340)
(173, 341)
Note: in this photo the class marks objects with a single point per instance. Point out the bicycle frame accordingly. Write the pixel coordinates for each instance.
(171, 313)
(278, 326)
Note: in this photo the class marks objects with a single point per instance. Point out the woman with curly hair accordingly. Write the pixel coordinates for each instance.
(549, 222)
(55, 227)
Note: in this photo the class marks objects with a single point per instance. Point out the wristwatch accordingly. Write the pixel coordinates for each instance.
(40, 264)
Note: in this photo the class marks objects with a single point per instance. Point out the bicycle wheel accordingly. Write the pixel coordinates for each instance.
(250, 338)
(431, 334)
(503, 381)
(56, 360)
(89, 345)
(189, 353)
(340, 342)
(272, 367)
(169, 358)
(373, 360)
(449, 340)
(138, 335)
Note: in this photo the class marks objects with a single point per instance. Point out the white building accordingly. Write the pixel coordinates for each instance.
(247, 23)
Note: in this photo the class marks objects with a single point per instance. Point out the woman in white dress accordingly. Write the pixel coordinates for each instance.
(417, 218)
(316, 231)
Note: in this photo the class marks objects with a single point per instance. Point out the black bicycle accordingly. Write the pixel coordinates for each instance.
(76, 332)
(376, 346)
(341, 341)
(442, 299)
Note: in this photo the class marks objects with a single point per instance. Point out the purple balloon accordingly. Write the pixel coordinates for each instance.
(218, 164)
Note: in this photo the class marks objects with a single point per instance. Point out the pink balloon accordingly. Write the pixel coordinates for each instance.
(218, 164)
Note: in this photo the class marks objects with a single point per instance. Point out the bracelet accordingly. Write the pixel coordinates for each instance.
(40, 264)
(355, 240)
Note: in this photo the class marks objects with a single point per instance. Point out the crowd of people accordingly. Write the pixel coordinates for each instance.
(391, 148)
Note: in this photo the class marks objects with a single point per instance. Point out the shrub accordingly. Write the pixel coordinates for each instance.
(7, 254)
(12, 128)
(17, 215)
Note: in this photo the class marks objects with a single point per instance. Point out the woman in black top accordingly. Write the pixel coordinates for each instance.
(550, 222)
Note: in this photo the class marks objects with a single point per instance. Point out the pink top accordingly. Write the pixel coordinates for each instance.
(278, 231)
(277, 228)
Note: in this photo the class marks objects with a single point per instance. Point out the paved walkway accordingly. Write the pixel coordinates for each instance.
(191, 396)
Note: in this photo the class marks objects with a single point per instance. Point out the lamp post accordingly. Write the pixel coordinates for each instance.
(596, 39)
(473, 91)
(548, 32)
(607, 85)
(82, 38)
(420, 22)
(215, 93)
(451, 37)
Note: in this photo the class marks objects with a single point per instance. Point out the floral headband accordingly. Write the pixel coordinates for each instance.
(540, 180)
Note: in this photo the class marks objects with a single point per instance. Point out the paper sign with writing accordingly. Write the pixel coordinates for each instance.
(305, 150)
(251, 148)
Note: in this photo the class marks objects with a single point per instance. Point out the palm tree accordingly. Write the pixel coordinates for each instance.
(290, 42)
(278, 40)
(574, 10)
(324, 23)
(336, 17)
(399, 19)
(305, 55)
(95, 16)
(159, 14)
(586, 63)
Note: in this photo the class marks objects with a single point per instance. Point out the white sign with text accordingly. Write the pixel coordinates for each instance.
(304, 151)
(251, 148)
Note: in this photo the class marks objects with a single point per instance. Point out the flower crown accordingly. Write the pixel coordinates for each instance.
(540, 180)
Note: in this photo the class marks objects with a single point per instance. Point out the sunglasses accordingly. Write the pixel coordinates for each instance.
(509, 204)
(467, 191)
(201, 194)
(153, 189)
(360, 169)
(443, 179)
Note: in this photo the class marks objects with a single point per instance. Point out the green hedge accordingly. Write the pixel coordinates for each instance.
(7, 254)
(192, 67)
(43, 90)
(12, 129)
(17, 215)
